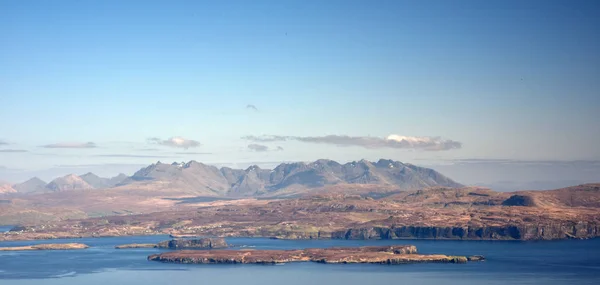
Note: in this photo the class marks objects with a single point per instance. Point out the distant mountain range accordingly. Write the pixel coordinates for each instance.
(201, 179)
(195, 178)
(68, 182)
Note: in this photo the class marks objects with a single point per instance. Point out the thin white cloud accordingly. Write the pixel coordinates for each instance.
(71, 145)
(178, 142)
(391, 141)
(3, 142)
(13, 150)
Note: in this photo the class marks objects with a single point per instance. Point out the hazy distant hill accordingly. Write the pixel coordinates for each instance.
(100, 182)
(69, 182)
(201, 179)
(33, 185)
(117, 179)
(192, 177)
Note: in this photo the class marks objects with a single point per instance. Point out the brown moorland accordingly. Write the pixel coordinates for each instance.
(368, 212)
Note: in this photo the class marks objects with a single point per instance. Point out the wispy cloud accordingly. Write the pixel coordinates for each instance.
(193, 153)
(262, 148)
(135, 156)
(13, 150)
(268, 138)
(499, 161)
(251, 107)
(71, 145)
(176, 142)
(98, 165)
(258, 147)
(3, 142)
(391, 141)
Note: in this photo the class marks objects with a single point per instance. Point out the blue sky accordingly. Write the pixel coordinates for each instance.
(496, 79)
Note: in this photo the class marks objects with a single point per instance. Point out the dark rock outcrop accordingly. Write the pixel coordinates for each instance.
(476, 258)
(203, 243)
(519, 200)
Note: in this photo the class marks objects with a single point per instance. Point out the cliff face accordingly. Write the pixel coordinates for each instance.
(581, 230)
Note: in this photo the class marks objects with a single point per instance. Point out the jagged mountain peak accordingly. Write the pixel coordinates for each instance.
(202, 179)
(253, 168)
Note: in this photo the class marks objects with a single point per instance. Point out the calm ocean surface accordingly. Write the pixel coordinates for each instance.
(548, 262)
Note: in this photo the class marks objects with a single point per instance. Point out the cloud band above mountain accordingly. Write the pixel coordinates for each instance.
(262, 148)
(71, 145)
(391, 141)
(176, 142)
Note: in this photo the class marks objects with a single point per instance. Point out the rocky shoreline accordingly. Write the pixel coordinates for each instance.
(402, 254)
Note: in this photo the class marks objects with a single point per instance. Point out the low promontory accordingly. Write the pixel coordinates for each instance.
(402, 254)
(50, 246)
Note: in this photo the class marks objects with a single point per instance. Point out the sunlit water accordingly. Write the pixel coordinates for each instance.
(549, 262)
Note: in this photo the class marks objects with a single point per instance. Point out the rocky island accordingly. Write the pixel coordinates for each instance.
(50, 246)
(402, 254)
(201, 243)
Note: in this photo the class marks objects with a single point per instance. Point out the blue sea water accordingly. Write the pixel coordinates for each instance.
(5, 228)
(508, 262)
